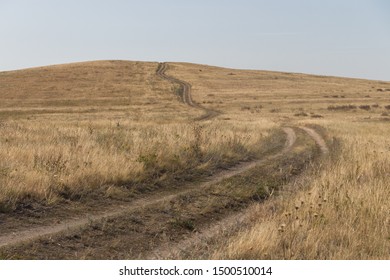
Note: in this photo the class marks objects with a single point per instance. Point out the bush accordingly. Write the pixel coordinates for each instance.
(301, 114)
(342, 107)
(365, 107)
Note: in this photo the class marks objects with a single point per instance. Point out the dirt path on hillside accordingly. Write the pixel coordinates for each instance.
(228, 224)
(317, 138)
(31, 233)
(75, 223)
(173, 251)
(185, 94)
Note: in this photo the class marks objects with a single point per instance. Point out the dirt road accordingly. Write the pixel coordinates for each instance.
(31, 233)
(317, 138)
(185, 93)
(235, 221)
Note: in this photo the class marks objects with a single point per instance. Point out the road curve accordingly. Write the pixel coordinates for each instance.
(185, 93)
(72, 224)
(173, 251)
(317, 138)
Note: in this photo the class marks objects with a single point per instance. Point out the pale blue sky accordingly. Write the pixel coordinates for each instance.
(335, 37)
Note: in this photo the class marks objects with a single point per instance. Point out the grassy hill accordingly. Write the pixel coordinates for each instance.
(101, 132)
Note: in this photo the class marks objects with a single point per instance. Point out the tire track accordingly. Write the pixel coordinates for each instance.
(317, 138)
(185, 93)
(235, 221)
(172, 251)
(33, 233)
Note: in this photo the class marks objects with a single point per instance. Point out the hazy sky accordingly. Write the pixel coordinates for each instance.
(332, 37)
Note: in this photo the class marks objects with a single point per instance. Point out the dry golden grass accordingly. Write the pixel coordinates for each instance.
(75, 129)
(70, 131)
(278, 96)
(342, 210)
(341, 213)
(108, 90)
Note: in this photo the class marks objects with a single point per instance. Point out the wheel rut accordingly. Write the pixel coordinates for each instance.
(185, 93)
(317, 138)
(32, 233)
(174, 251)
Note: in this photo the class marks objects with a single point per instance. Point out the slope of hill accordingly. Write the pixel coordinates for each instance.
(193, 144)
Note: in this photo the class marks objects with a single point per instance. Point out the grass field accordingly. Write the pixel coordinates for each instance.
(67, 134)
(104, 131)
(339, 212)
